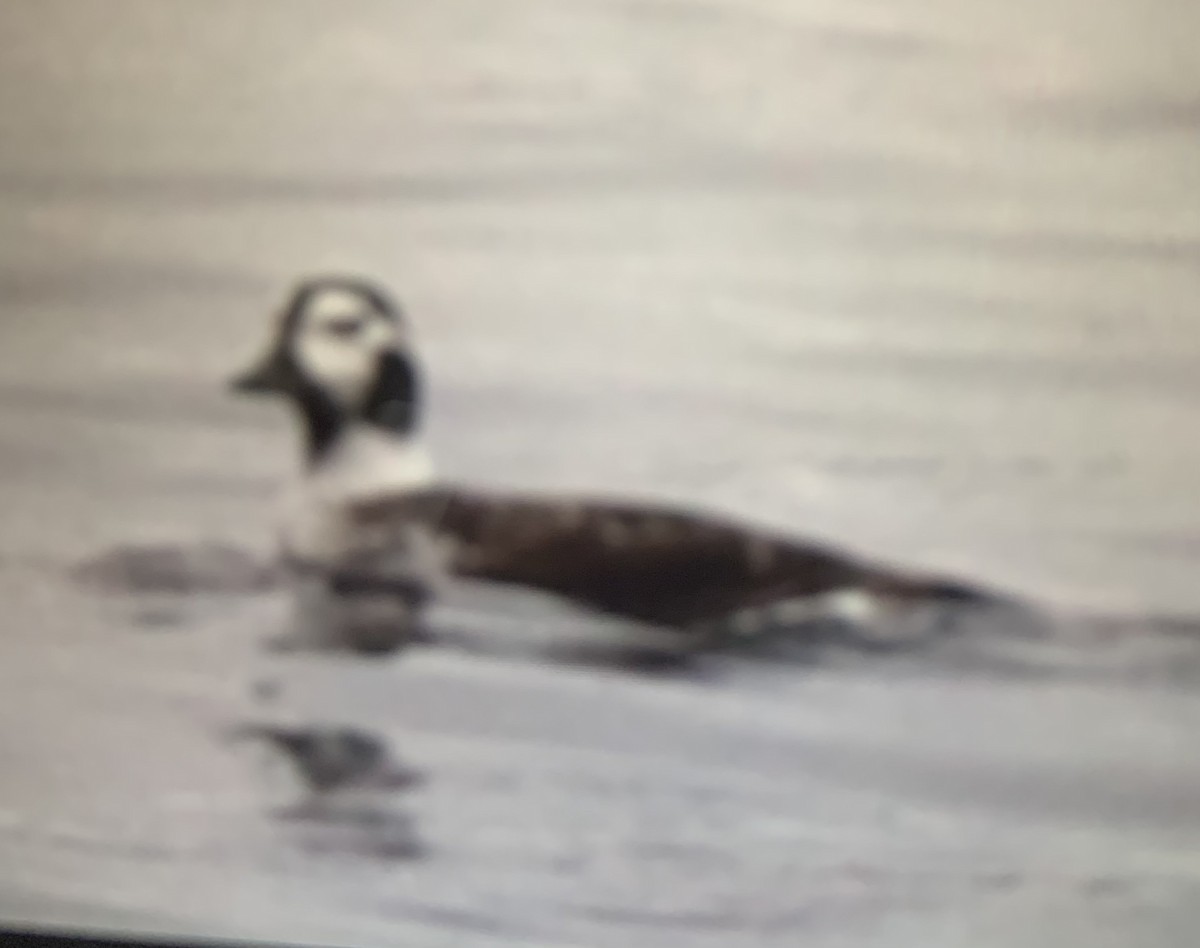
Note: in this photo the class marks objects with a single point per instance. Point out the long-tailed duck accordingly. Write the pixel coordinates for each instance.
(376, 532)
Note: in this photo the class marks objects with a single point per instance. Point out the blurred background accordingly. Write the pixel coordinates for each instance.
(919, 276)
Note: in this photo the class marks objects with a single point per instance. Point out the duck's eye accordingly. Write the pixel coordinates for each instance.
(346, 328)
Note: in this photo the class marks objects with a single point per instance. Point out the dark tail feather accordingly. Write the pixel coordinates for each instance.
(953, 591)
(957, 592)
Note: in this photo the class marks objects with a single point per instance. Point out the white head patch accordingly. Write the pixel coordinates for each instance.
(338, 341)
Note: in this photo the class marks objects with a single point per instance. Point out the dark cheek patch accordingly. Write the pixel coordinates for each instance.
(394, 401)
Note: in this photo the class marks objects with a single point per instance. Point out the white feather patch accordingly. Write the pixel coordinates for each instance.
(365, 462)
(344, 365)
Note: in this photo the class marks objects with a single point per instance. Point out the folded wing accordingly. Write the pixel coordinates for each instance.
(644, 563)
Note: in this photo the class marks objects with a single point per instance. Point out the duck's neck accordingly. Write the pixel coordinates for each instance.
(377, 444)
(365, 460)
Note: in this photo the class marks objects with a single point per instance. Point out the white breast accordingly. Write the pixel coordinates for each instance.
(364, 463)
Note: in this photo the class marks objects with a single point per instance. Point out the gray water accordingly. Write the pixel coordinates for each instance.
(916, 276)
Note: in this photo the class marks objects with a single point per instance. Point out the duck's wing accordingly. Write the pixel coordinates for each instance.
(645, 563)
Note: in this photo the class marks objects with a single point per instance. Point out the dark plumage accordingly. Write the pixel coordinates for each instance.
(647, 563)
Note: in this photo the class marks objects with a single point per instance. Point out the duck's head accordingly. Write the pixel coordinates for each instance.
(341, 355)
